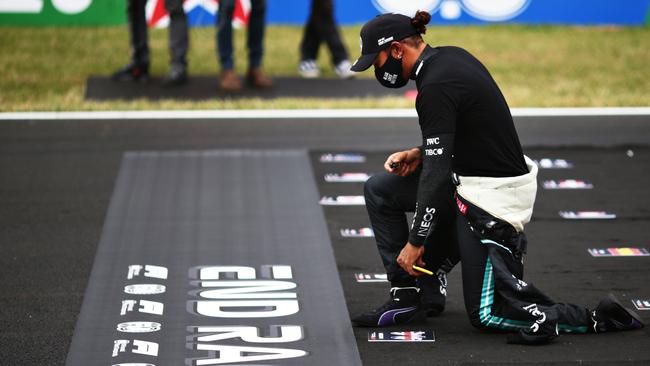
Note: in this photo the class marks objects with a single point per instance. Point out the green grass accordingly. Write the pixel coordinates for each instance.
(536, 66)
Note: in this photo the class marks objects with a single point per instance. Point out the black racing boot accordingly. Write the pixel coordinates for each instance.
(610, 315)
(433, 293)
(402, 307)
(132, 72)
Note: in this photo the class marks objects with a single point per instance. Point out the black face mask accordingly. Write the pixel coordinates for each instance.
(390, 74)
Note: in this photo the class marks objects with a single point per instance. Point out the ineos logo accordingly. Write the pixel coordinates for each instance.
(491, 11)
(69, 7)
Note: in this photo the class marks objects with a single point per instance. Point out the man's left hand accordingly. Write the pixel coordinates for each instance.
(409, 256)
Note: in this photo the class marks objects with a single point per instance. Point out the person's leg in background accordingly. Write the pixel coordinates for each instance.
(138, 68)
(228, 79)
(178, 43)
(255, 41)
(328, 31)
(309, 45)
(388, 198)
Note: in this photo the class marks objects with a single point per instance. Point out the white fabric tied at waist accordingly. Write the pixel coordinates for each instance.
(510, 198)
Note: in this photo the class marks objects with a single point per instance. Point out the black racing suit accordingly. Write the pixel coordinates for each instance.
(467, 129)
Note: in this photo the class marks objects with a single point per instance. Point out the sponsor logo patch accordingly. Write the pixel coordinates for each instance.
(384, 40)
(343, 201)
(641, 304)
(364, 232)
(587, 215)
(342, 158)
(619, 252)
(425, 224)
(567, 184)
(553, 164)
(391, 78)
(402, 336)
(461, 206)
(346, 177)
(371, 277)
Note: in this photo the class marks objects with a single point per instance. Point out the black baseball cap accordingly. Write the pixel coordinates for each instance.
(378, 33)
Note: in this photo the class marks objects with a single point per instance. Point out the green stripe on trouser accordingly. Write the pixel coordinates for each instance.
(488, 320)
(487, 299)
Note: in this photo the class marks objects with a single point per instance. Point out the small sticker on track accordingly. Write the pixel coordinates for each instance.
(546, 163)
(371, 277)
(364, 232)
(342, 158)
(346, 177)
(402, 336)
(587, 215)
(343, 201)
(567, 184)
(641, 304)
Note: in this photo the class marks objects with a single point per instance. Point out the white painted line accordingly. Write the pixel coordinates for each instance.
(586, 111)
(301, 113)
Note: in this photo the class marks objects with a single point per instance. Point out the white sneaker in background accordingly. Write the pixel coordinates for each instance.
(308, 69)
(343, 70)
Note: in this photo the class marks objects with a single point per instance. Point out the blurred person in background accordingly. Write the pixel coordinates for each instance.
(138, 68)
(320, 28)
(255, 77)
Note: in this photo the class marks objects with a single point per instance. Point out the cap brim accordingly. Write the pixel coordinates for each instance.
(364, 62)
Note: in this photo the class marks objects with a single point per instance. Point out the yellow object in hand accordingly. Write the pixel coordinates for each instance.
(423, 270)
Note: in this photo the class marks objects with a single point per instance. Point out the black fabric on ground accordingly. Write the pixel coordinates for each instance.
(206, 87)
(56, 179)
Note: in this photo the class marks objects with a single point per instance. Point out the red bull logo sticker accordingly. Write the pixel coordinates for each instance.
(619, 252)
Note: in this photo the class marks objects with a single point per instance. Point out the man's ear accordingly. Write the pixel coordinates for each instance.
(396, 50)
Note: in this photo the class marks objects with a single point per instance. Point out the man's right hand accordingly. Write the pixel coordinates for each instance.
(403, 163)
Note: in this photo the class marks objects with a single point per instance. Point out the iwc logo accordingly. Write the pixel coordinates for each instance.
(490, 11)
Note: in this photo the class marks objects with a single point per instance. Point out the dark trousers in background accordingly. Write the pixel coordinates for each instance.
(178, 34)
(321, 28)
(388, 198)
(255, 33)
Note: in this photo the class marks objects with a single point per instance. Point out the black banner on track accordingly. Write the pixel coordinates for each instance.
(214, 258)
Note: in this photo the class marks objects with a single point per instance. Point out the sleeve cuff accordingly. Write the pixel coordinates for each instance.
(416, 240)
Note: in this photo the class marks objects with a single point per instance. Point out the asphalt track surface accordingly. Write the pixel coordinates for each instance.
(57, 178)
(206, 87)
